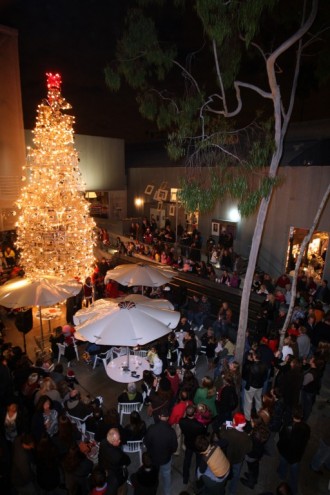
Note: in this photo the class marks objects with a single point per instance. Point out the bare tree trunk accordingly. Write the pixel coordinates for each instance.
(298, 263)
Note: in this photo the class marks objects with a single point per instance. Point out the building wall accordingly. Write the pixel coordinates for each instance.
(102, 161)
(12, 154)
(294, 203)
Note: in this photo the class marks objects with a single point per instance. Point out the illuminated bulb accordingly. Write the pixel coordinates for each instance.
(54, 233)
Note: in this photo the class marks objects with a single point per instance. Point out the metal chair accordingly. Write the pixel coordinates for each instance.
(105, 357)
(134, 446)
(127, 408)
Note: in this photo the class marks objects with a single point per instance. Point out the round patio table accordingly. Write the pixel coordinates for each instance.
(116, 369)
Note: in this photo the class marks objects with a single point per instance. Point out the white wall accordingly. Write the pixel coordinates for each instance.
(102, 161)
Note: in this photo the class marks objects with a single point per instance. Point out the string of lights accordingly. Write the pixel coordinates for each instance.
(55, 233)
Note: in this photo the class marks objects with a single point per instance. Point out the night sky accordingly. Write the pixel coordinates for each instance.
(77, 39)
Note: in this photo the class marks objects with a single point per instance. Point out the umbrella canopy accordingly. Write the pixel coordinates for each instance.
(127, 324)
(103, 306)
(22, 292)
(140, 274)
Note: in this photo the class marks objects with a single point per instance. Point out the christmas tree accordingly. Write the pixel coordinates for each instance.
(55, 234)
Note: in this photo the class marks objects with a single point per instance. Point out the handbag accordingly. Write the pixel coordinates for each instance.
(150, 409)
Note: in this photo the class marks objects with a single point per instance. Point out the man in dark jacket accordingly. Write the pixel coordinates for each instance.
(161, 443)
(190, 428)
(291, 446)
(256, 374)
(113, 460)
(239, 444)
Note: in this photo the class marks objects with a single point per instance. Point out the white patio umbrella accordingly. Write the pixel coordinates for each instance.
(127, 324)
(140, 274)
(46, 291)
(103, 306)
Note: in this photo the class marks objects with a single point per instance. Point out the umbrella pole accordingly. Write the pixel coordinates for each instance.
(127, 350)
(41, 330)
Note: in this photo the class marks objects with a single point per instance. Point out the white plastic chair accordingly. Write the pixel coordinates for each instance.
(134, 446)
(80, 424)
(127, 408)
(142, 353)
(105, 357)
(61, 351)
(118, 351)
(201, 354)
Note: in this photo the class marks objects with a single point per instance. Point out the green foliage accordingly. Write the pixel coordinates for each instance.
(112, 79)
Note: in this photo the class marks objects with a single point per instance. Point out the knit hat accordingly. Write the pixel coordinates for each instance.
(70, 373)
(239, 420)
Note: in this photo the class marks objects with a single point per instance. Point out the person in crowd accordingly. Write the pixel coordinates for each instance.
(208, 346)
(130, 394)
(75, 406)
(77, 468)
(239, 444)
(190, 345)
(94, 421)
(177, 413)
(145, 480)
(161, 443)
(172, 374)
(259, 436)
(13, 420)
(136, 428)
(226, 400)
(160, 396)
(311, 385)
(10, 256)
(292, 444)
(114, 461)
(206, 394)
(156, 364)
(214, 468)
(98, 482)
(190, 429)
(48, 387)
(48, 472)
(66, 435)
(23, 465)
(45, 418)
(255, 372)
(148, 379)
(88, 291)
(304, 343)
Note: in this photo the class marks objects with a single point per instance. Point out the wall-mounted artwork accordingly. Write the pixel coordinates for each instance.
(215, 229)
(162, 194)
(160, 205)
(149, 189)
(172, 211)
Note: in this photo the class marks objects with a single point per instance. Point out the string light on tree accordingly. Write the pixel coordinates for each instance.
(55, 233)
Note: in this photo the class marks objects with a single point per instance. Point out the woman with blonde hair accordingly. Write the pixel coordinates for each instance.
(206, 394)
(48, 387)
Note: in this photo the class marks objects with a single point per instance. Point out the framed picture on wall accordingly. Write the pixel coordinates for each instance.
(162, 194)
(160, 205)
(172, 211)
(215, 228)
(149, 189)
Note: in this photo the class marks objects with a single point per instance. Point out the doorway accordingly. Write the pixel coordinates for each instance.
(315, 253)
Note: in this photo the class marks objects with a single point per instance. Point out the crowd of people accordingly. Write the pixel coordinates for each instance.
(233, 416)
